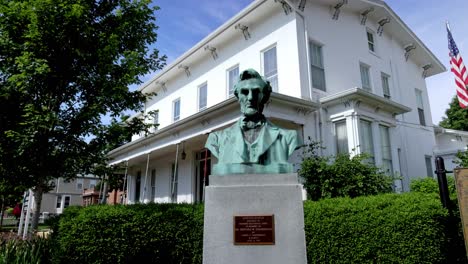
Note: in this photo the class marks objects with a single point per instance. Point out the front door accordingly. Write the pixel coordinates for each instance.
(203, 172)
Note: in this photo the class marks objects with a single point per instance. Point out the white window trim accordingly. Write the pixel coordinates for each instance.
(416, 90)
(370, 76)
(79, 181)
(383, 74)
(335, 122)
(155, 114)
(309, 52)
(262, 67)
(198, 97)
(368, 30)
(173, 109)
(227, 79)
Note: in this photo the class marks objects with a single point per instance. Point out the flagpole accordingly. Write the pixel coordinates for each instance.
(447, 25)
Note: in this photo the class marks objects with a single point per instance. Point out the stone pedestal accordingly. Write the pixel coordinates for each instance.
(254, 194)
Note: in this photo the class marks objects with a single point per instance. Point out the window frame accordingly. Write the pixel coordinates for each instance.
(387, 95)
(335, 126)
(155, 115)
(371, 43)
(429, 169)
(390, 170)
(65, 205)
(175, 118)
(58, 203)
(275, 88)
(321, 68)
(199, 87)
(78, 183)
(420, 106)
(371, 147)
(368, 68)
(228, 80)
(92, 183)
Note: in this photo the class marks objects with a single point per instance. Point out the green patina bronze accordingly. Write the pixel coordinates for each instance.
(253, 144)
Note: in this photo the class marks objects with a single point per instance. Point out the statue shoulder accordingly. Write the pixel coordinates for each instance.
(215, 138)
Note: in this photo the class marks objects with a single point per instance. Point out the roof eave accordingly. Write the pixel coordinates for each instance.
(360, 94)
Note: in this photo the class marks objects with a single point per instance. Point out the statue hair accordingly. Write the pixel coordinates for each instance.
(253, 74)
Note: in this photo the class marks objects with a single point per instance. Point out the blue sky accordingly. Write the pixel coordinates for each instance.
(183, 23)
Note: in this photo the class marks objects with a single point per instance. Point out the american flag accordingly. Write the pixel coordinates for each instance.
(459, 69)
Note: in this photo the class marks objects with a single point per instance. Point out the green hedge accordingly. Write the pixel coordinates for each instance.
(392, 228)
(130, 234)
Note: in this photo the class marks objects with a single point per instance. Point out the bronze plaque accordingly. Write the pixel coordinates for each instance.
(254, 230)
(461, 181)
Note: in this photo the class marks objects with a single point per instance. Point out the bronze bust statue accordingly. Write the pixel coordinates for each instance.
(253, 144)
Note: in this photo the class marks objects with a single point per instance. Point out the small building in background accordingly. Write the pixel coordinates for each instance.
(448, 143)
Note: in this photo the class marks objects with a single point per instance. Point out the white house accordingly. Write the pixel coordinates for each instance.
(448, 143)
(348, 73)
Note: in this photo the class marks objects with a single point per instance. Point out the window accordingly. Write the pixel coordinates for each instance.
(428, 160)
(155, 120)
(202, 96)
(174, 175)
(79, 184)
(365, 77)
(387, 163)
(370, 40)
(420, 105)
(366, 139)
(176, 110)
(66, 202)
(59, 201)
(341, 138)
(386, 85)
(92, 184)
(270, 69)
(232, 78)
(317, 68)
(153, 184)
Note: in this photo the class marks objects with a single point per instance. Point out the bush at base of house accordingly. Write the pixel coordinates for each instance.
(159, 233)
(391, 228)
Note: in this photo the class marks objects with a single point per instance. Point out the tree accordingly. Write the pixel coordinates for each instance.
(341, 175)
(64, 64)
(457, 117)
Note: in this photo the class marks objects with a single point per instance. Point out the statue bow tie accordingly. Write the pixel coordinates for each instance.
(247, 123)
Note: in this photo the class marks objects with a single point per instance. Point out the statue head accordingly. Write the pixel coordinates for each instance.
(252, 92)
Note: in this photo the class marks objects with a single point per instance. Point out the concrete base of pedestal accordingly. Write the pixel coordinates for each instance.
(254, 194)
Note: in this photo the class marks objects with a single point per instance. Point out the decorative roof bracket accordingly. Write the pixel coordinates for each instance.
(245, 30)
(286, 7)
(162, 84)
(408, 48)
(212, 50)
(382, 23)
(364, 15)
(301, 5)
(426, 69)
(186, 69)
(336, 13)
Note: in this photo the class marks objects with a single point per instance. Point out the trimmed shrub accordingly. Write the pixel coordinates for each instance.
(390, 228)
(430, 185)
(341, 175)
(159, 233)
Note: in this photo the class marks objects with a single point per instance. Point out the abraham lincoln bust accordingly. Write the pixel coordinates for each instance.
(252, 145)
